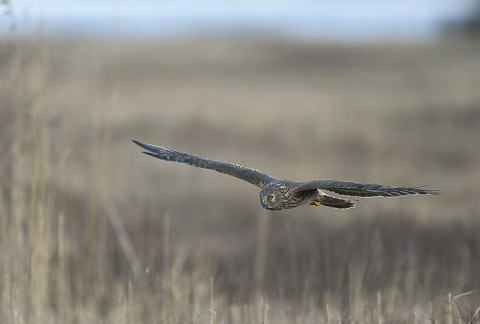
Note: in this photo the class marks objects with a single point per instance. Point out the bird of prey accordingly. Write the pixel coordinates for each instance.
(277, 194)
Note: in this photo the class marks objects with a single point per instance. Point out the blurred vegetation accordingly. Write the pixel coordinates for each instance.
(93, 231)
(469, 26)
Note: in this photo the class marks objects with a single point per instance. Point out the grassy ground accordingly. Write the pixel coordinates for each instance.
(93, 231)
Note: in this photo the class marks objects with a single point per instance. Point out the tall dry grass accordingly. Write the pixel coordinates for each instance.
(90, 234)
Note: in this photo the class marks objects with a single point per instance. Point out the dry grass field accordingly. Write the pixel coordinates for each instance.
(92, 231)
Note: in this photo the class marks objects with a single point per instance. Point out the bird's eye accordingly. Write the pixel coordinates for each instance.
(270, 197)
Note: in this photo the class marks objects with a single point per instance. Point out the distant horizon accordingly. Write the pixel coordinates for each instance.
(345, 21)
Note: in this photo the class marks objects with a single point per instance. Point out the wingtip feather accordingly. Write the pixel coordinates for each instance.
(146, 146)
(150, 153)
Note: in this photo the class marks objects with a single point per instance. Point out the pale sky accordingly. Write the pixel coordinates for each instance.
(143, 18)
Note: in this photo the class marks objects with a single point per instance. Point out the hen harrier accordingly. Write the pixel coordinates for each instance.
(277, 194)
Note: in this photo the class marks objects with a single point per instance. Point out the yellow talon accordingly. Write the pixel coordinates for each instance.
(317, 203)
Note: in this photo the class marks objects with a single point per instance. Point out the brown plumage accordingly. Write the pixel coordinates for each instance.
(277, 194)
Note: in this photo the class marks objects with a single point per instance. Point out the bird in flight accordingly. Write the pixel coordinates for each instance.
(277, 194)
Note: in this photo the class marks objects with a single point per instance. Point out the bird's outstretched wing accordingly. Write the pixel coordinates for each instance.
(253, 176)
(359, 189)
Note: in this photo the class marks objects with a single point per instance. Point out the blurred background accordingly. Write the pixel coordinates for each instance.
(91, 230)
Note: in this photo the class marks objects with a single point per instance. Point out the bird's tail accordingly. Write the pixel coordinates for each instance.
(334, 202)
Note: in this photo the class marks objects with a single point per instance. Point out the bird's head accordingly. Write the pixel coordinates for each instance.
(269, 198)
